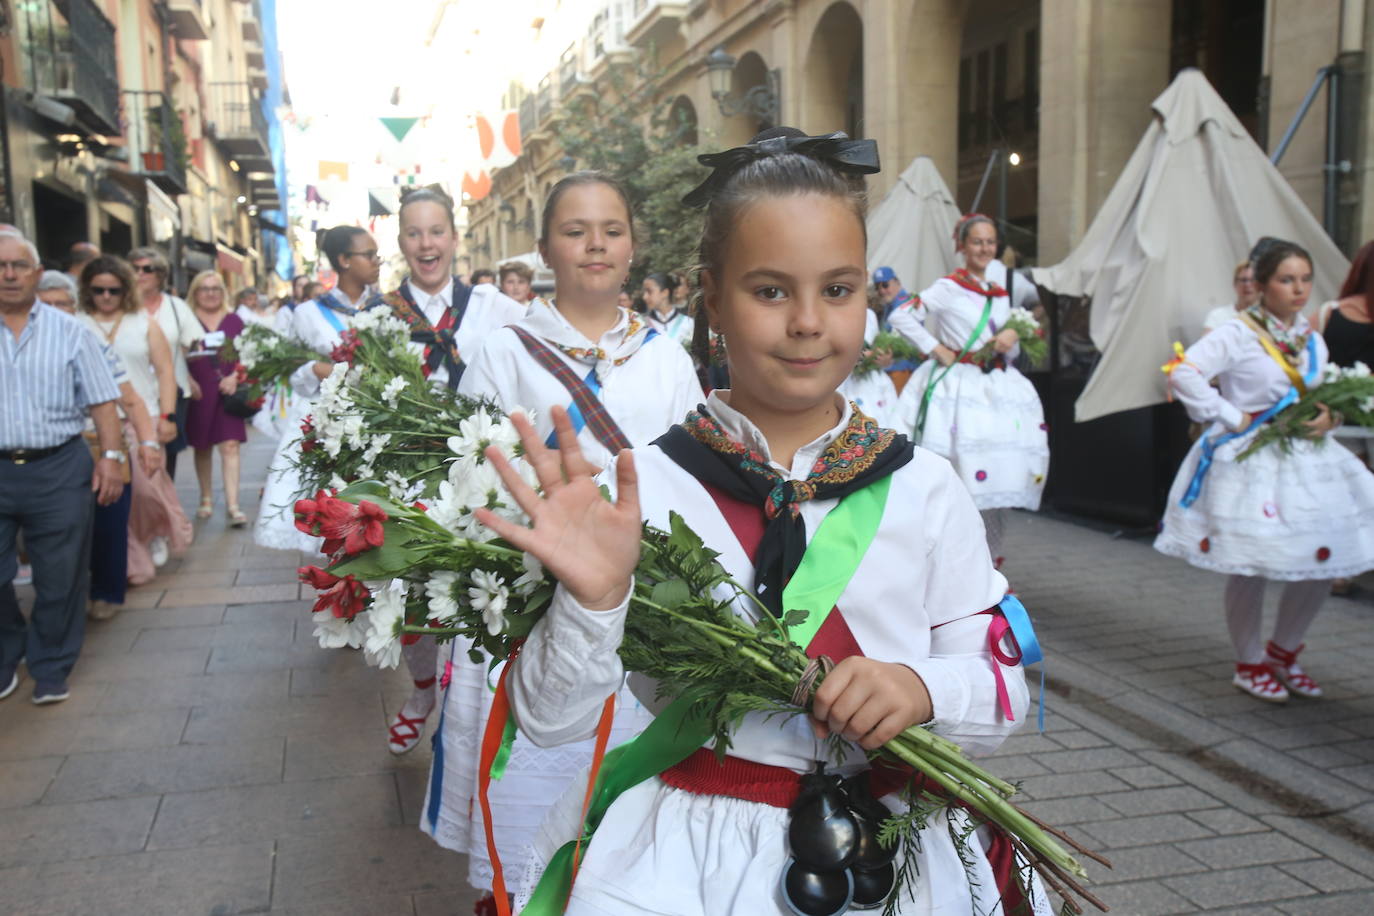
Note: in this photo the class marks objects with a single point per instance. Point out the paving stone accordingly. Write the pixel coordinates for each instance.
(1097, 758)
(23, 782)
(1143, 862)
(1327, 876)
(450, 904)
(1145, 777)
(297, 717)
(1305, 735)
(120, 774)
(1238, 886)
(243, 690)
(261, 635)
(1325, 757)
(271, 610)
(1357, 904)
(1144, 831)
(272, 575)
(1063, 812)
(1078, 738)
(411, 784)
(57, 833)
(232, 594)
(1227, 821)
(396, 860)
(57, 737)
(160, 664)
(1239, 851)
(217, 817)
(1159, 801)
(213, 880)
(155, 618)
(1143, 898)
(1069, 784)
(444, 904)
(349, 754)
(1335, 848)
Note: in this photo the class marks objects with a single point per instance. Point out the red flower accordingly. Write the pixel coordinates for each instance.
(343, 353)
(308, 513)
(308, 425)
(358, 528)
(240, 372)
(343, 598)
(257, 402)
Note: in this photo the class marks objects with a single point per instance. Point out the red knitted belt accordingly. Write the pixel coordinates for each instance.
(997, 362)
(702, 774)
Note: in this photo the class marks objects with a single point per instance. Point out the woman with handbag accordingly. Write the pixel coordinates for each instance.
(209, 427)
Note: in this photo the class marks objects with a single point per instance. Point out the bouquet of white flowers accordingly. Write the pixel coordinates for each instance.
(1347, 393)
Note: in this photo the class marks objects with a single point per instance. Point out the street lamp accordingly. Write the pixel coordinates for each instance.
(762, 102)
(507, 210)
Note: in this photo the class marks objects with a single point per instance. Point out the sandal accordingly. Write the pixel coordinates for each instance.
(405, 733)
(207, 508)
(1284, 665)
(1259, 682)
(236, 518)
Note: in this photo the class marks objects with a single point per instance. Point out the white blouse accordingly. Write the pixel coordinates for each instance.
(915, 600)
(678, 326)
(947, 315)
(311, 326)
(130, 350)
(1251, 381)
(488, 310)
(183, 331)
(646, 394)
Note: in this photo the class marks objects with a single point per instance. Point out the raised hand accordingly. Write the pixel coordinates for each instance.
(589, 544)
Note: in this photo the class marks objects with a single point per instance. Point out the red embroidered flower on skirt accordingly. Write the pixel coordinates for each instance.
(1206, 545)
(344, 598)
(1323, 554)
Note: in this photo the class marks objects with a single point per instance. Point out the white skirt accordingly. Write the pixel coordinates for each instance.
(665, 851)
(1296, 515)
(275, 525)
(535, 777)
(874, 394)
(990, 426)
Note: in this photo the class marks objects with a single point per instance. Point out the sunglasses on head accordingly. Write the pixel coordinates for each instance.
(107, 290)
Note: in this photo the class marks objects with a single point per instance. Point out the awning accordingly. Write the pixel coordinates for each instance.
(229, 261)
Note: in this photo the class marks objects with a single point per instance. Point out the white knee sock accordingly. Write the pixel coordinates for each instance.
(1244, 613)
(1298, 607)
(422, 660)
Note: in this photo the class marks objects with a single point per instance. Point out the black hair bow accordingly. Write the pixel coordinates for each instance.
(850, 157)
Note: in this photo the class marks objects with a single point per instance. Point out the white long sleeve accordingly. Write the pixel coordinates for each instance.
(907, 321)
(568, 667)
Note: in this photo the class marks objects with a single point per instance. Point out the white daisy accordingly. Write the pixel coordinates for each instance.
(490, 596)
(439, 591)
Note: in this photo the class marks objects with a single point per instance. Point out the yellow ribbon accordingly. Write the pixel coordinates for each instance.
(1168, 368)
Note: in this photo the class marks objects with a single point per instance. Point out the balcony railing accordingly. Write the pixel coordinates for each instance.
(240, 127)
(157, 140)
(70, 50)
(529, 119)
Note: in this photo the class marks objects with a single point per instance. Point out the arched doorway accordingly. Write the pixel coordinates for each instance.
(834, 97)
(682, 122)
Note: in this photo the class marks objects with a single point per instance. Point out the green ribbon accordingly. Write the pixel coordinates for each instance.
(937, 379)
(827, 567)
(502, 758)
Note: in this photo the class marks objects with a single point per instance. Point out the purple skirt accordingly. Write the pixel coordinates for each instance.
(207, 424)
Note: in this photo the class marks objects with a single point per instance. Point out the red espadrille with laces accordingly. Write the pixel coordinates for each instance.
(405, 731)
(1284, 664)
(1259, 682)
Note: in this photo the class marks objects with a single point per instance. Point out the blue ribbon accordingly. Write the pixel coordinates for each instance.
(1210, 446)
(1031, 654)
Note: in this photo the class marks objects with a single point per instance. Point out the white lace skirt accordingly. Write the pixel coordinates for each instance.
(275, 525)
(535, 777)
(1303, 514)
(990, 426)
(662, 850)
(874, 394)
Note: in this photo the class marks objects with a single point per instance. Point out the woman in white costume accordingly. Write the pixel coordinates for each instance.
(448, 322)
(987, 420)
(1301, 516)
(783, 281)
(318, 324)
(660, 312)
(640, 383)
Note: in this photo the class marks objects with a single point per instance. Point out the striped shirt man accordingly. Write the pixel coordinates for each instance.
(49, 378)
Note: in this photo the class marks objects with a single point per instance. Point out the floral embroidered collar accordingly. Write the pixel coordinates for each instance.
(968, 281)
(1291, 341)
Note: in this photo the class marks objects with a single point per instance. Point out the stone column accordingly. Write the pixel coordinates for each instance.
(1102, 66)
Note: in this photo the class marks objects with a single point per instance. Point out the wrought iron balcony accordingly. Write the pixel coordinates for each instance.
(70, 52)
(157, 140)
(190, 19)
(238, 124)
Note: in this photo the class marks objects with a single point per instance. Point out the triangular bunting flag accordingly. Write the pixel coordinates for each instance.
(399, 127)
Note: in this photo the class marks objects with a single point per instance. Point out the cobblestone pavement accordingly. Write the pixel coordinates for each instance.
(212, 759)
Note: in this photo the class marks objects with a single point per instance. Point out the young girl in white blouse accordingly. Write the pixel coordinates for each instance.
(986, 419)
(1299, 516)
(783, 281)
(632, 383)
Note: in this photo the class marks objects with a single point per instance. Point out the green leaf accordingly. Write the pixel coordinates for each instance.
(383, 562)
(671, 594)
(795, 617)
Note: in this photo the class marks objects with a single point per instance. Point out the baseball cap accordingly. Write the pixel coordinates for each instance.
(884, 275)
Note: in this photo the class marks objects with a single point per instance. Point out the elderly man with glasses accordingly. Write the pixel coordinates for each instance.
(52, 375)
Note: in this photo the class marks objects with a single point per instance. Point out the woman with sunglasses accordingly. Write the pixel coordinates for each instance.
(209, 428)
(181, 330)
(109, 304)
